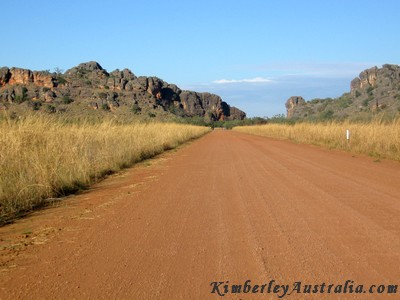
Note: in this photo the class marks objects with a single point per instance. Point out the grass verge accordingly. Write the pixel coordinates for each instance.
(376, 139)
(41, 158)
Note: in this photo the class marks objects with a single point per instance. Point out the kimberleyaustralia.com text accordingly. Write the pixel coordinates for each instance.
(222, 288)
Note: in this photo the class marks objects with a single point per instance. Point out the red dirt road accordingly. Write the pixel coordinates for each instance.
(228, 207)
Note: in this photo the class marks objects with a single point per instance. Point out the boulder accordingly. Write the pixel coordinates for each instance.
(292, 103)
(236, 114)
(44, 79)
(211, 101)
(368, 77)
(127, 74)
(5, 75)
(154, 87)
(89, 70)
(192, 103)
(134, 87)
(90, 66)
(355, 85)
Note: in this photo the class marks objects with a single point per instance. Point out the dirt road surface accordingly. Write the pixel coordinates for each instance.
(227, 207)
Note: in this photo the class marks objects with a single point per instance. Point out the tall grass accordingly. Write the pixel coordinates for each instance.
(376, 138)
(42, 158)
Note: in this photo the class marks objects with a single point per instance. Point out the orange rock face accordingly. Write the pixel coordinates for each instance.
(41, 79)
(24, 76)
(20, 76)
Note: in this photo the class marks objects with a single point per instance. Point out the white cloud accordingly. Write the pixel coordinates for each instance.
(320, 69)
(252, 80)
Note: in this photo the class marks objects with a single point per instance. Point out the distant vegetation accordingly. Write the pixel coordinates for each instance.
(199, 121)
(44, 157)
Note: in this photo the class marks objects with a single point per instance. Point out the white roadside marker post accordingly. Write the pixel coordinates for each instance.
(348, 137)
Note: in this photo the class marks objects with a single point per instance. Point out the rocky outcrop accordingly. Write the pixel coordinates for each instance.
(367, 78)
(191, 103)
(4, 76)
(374, 90)
(91, 66)
(388, 75)
(20, 76)
(15, 76)
(93, 85)
(216, 109)
(234, 113)
(292, 103)
(44, 79)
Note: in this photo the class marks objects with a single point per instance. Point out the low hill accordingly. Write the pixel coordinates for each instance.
(88, 87)
(375, 91)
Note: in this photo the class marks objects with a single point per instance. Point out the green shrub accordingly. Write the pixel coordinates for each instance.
(326, 115)
(136, 109)
(19, 98)
(102, 95)
(344, 102)
(61, 80)
(176, 110)
(66, 99)
(50, 109)
(35, 105)
(24, 93)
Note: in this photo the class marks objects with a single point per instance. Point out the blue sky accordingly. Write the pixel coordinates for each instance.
(255, 54)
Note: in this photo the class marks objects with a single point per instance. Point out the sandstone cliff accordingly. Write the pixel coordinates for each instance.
(374, 91)
(89, 86)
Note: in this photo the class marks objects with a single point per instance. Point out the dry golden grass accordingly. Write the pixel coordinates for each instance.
(375, 139)
(42, 158)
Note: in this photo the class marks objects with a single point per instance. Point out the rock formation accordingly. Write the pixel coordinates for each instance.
(22, 76)
(292, 103)
(388, 75)
(374, 90)
(90, 84)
